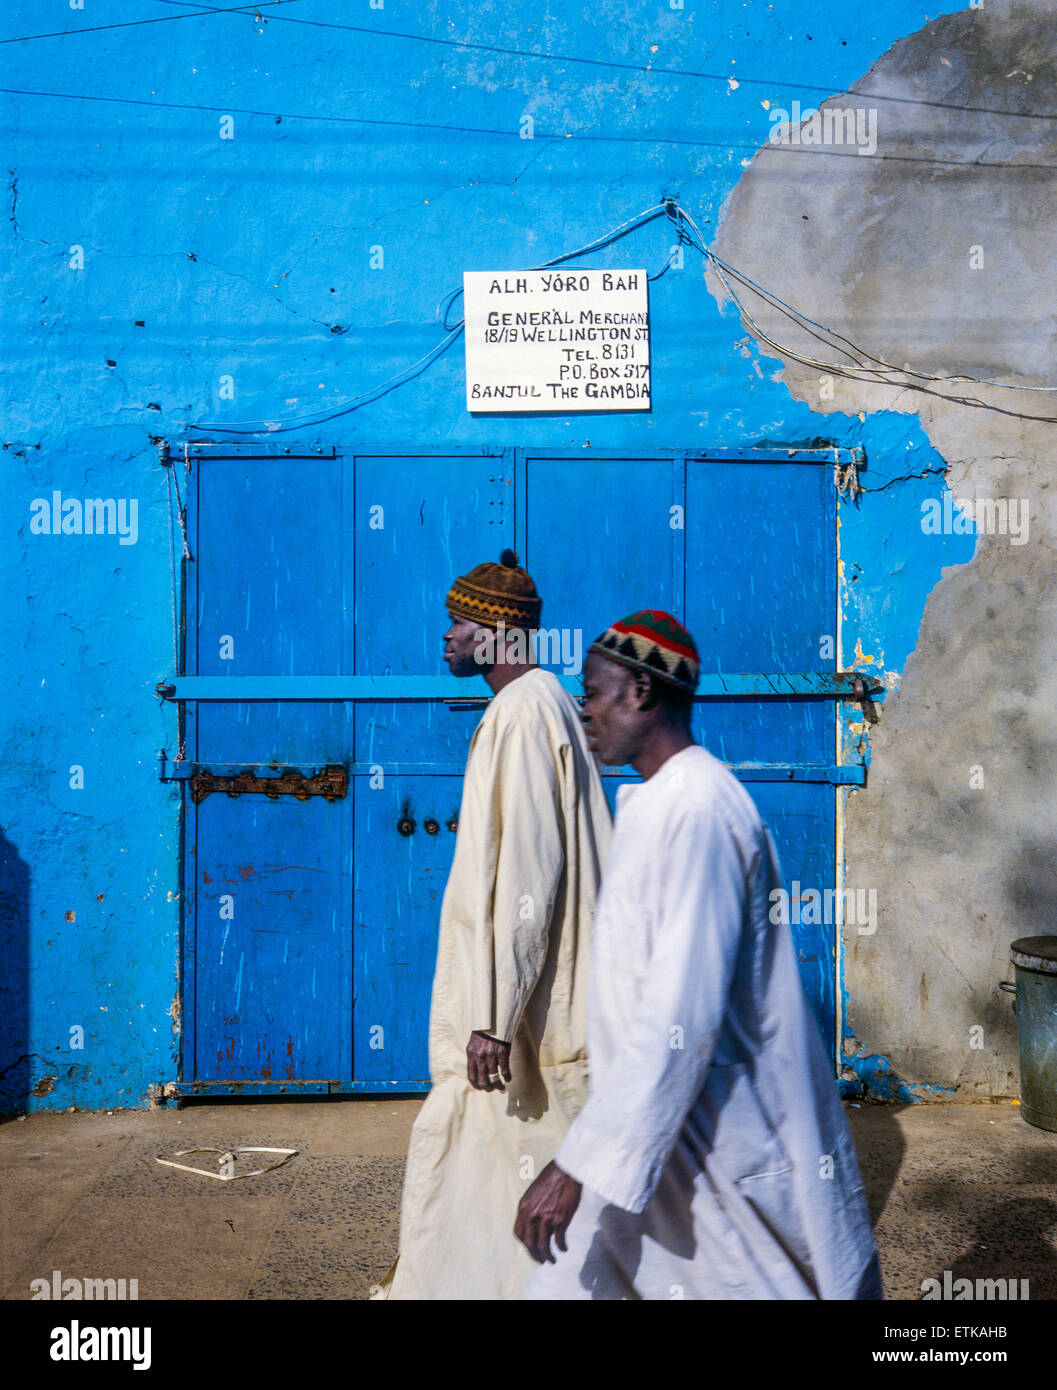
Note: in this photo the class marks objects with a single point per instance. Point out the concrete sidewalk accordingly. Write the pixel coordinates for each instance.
(966, 1188)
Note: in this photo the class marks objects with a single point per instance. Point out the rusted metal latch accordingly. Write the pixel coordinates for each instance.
(332, 783)
(861, 695)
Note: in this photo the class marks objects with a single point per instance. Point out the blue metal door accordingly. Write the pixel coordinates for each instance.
(761, 596)
(742, 547)
(267, 965)
(316, 589)
(325, 741)
(419, 522)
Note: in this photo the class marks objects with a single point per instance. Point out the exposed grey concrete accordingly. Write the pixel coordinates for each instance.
(879, 249)
(971, 1189)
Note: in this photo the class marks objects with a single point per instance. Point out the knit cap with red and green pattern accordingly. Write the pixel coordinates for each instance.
(653, 641)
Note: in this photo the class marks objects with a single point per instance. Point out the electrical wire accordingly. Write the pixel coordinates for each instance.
(819, 152)
(650, 69)
(262, 426)
(723, 266)
(158, 19)
(346, 407)
(196, 11)
(856, 371)
(859, 371)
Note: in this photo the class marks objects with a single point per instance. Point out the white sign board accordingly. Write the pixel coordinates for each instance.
(558, 340)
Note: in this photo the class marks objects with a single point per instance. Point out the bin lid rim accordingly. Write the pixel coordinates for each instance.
(1035, 953)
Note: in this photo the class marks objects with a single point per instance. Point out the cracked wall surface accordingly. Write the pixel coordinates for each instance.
(926, 258)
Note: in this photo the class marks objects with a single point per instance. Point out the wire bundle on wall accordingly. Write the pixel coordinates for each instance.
(862, 366)
(865, 366)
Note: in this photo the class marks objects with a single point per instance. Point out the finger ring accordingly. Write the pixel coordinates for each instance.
(497, 1077)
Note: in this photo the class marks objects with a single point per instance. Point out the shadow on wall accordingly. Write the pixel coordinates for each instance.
(14, 979)
(1031, 884)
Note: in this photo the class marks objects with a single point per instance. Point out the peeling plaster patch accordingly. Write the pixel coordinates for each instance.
(874, 1081)
(879, 250)
(873, 1075)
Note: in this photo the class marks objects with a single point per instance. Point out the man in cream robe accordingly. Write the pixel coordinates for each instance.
(508, 1021)
(713, 1158)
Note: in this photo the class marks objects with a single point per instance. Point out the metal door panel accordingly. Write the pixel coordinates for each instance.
(439, 518)
(399, 885)
(802, 820)
(761, 596)
(270, 558)
(767, 730)
(760, 564)
(428, 731)
(598, 541)
(271, 939)
(265, 731)
(271, 554)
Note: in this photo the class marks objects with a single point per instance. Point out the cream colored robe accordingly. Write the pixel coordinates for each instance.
(512, 961)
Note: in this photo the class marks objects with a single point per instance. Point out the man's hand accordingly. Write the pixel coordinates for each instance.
(546, 1210)
(487, 1062)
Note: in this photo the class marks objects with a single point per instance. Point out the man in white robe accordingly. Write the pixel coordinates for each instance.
(507, 1037)
(713, 1158)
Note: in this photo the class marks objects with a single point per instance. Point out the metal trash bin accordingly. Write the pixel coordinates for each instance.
(1035, 960)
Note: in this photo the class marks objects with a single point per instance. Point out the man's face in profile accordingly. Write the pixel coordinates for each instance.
(610, 712)
(462, 647)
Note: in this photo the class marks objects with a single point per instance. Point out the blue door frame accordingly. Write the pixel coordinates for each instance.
(290, 991)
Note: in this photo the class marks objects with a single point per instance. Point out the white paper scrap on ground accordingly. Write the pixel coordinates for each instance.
(227, 1161)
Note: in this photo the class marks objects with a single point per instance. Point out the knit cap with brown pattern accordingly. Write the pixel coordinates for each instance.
(494, 594)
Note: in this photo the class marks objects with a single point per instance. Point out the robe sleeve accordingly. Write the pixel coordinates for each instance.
(620, 1142)
(523, 834)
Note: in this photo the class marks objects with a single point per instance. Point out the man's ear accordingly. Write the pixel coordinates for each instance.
(645, 690)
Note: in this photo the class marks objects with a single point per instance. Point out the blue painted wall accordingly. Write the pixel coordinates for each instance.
(148, 259)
